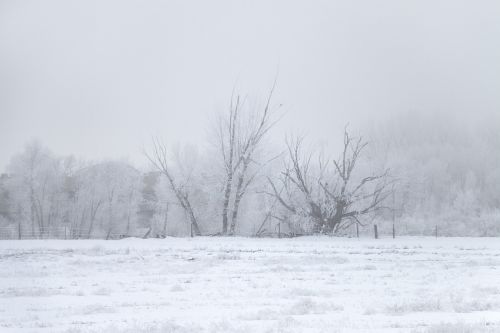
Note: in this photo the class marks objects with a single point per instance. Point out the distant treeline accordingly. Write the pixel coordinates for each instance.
(414, 171)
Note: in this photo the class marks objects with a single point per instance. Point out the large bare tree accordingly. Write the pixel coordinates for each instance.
(330, 197)
(239, 137)
(159, 158)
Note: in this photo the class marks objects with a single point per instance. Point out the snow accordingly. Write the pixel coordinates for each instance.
(309, 284)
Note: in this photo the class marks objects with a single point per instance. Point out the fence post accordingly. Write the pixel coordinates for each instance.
(375, 230)
(357, 230)
(436, 231)
(393, 213)
(191, 225)
(279, 230)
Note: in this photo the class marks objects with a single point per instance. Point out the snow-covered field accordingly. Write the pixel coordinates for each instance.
(311, 284)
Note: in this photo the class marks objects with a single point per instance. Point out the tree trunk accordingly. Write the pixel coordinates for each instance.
(165, 222)
(240, 192)
(108, 234)
(234, 217)
(32, 210)
(225, 207)
(194, 223)
(93, 214)
(237, 200)
(128, 224)
(192, 217)
(91, 226)
(19, 230)
(76, 231)
(334, 223)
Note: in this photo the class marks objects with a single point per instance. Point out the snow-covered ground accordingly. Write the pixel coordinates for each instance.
(311, 284)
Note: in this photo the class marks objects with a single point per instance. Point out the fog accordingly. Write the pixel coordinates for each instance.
(98, 78)
(250, 166)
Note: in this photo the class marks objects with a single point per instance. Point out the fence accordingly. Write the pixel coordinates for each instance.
(57, 233)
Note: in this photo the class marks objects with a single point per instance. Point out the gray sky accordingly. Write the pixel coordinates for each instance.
(98, 78)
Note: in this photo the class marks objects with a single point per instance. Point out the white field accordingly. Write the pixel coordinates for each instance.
(311, 284)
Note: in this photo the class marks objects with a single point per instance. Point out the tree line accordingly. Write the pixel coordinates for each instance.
(418, 177)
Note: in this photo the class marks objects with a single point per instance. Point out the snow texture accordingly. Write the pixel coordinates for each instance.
(310, 284)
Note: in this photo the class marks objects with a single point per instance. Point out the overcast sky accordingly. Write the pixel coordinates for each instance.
(98, 78)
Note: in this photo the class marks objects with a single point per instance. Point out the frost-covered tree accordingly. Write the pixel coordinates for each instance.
(107, 197)
(240, 134)
(330, 194)
(5, 202)
(448, 172)
(53, 196)
(179, 183)
(35, 185)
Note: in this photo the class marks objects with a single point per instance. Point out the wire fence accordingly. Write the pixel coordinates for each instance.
(58, 233)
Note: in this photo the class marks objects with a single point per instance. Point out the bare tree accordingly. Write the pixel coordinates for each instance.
(36, 184)
(227, 136)
(331, 198)
(101, 197)
(159, 158)
(238, 138)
